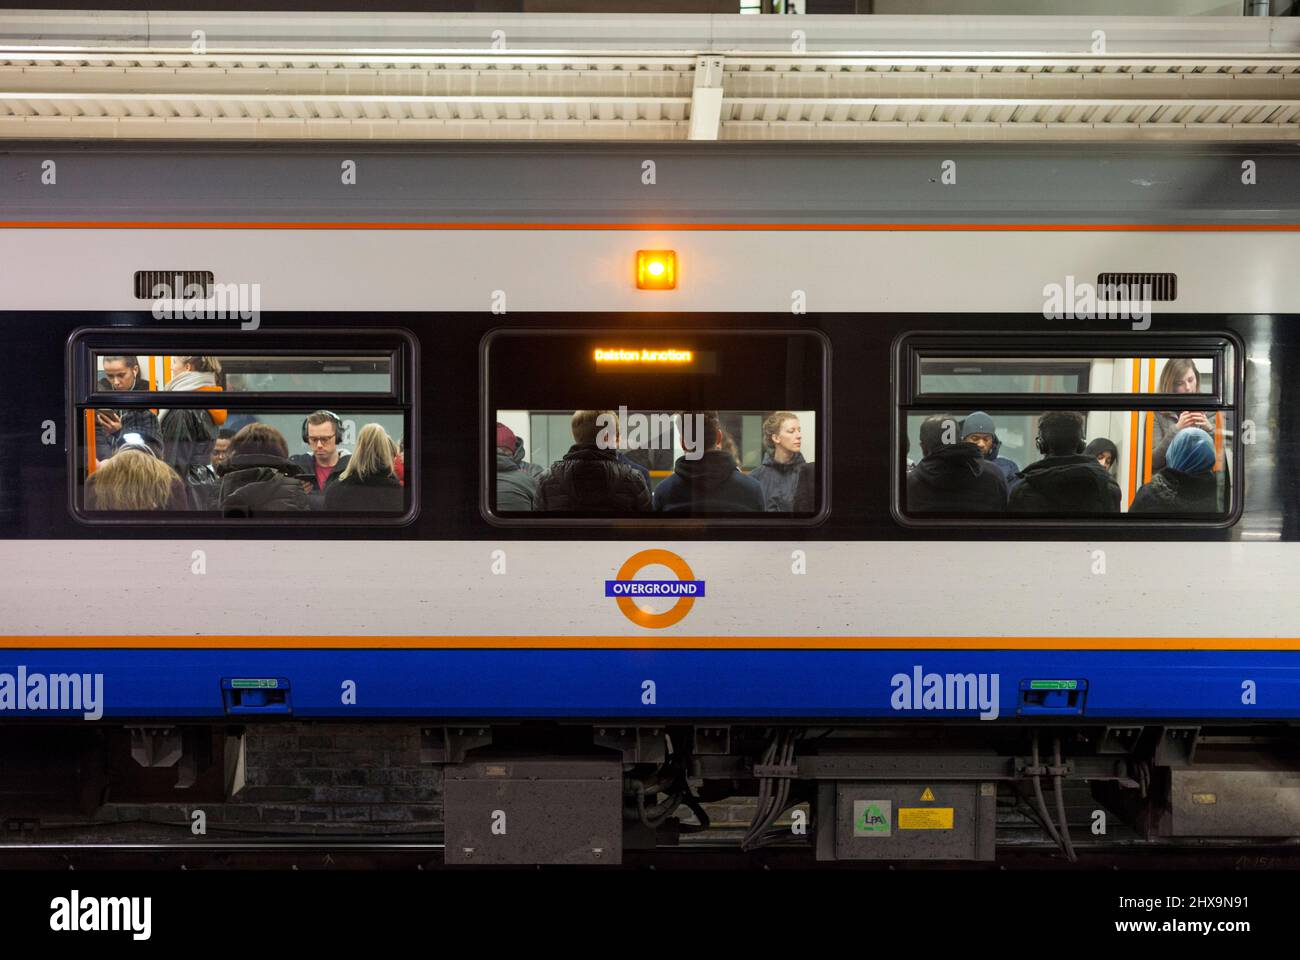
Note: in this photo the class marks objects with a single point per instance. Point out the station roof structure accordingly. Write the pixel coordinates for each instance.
(557, 77)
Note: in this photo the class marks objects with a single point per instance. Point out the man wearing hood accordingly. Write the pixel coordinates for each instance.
(979, 429)
(1066, 480)
(516, 479)
(707, 482)
(953, 477)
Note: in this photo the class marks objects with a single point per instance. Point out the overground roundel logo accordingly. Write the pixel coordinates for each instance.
(625, 589)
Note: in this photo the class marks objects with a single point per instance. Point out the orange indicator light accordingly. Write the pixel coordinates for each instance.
(656, 269)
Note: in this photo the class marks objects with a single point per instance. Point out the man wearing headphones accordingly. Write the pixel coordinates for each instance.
(1066, 480)
(322, 431)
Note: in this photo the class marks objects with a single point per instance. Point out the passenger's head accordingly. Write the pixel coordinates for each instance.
(131, 479)
(259, 440)
(978, 428)
(1180, 376)
(196, 365)
(221, 447)
(1191, 451)
(937, 431)
(701, 431)
(586, 429)
(147, 442)
(1060, 433)
(322, 435)
(373, 456)
(122, 373)
(1103, 451)
(781, 434)
(505, 440)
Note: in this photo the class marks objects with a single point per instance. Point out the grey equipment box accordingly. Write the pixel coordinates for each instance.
(1232, 802)
(514, 810)
(888, 820)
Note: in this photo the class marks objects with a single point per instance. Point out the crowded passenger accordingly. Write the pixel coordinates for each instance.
(591, 478)
(978, 428)
(953, 476)
(711, 483)
(134, 478)
(1066, 480)
(778, 474)
(220, 448)
(1186, 484)
(322, 431)
(516, 484)
(1104, 452)
(368, 482)
(186, 432)
(121, 375)
(1178, 376)
(259, 478)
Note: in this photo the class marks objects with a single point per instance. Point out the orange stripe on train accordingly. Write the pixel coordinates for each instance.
(254, 641)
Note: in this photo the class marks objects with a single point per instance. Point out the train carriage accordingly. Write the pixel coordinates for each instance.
(903, 669)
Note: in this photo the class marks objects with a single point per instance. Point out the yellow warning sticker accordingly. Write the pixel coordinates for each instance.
(925, 818)
(928, 795)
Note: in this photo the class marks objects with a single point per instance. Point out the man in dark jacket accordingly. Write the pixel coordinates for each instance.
(591, 478)
(953, 477)
(978, 428)
(706, 479)
(259, 478)
(516, 481)
(1066, 480)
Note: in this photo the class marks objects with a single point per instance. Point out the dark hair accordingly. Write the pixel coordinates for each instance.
(1101, 445)
(129, 361)
(932, 429)
(259, 439)
(712, 427)
(1061, 433)
(225, 434)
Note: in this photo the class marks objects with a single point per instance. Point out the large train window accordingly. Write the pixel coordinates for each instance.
(184, 426)
(656, 426)
(1067, 429)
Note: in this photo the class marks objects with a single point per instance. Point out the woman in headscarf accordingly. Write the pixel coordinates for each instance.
(1104, 452)
(1187, 483)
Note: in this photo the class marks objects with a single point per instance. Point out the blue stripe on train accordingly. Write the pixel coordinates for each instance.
(687, 683)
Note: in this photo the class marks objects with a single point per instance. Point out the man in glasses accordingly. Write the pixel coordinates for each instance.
(322, 432)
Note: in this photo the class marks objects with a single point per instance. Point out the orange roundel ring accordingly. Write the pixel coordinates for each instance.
(633, 566)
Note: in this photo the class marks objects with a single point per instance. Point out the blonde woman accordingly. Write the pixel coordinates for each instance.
(779, 473)
(369, 483)
(134, 479)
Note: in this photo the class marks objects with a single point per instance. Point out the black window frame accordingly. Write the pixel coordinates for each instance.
(83, 393)
(909, 349)
(652, 521)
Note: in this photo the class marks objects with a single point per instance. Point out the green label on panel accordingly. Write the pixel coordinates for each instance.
(1053, 684)
(256, 684)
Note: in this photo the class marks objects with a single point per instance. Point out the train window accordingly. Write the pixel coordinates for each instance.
(1019, 428)
(176, 426)
(656, 426)
(293, 373)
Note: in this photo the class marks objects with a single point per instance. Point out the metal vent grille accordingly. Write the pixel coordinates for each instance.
(179, 284)
(1156, 287)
